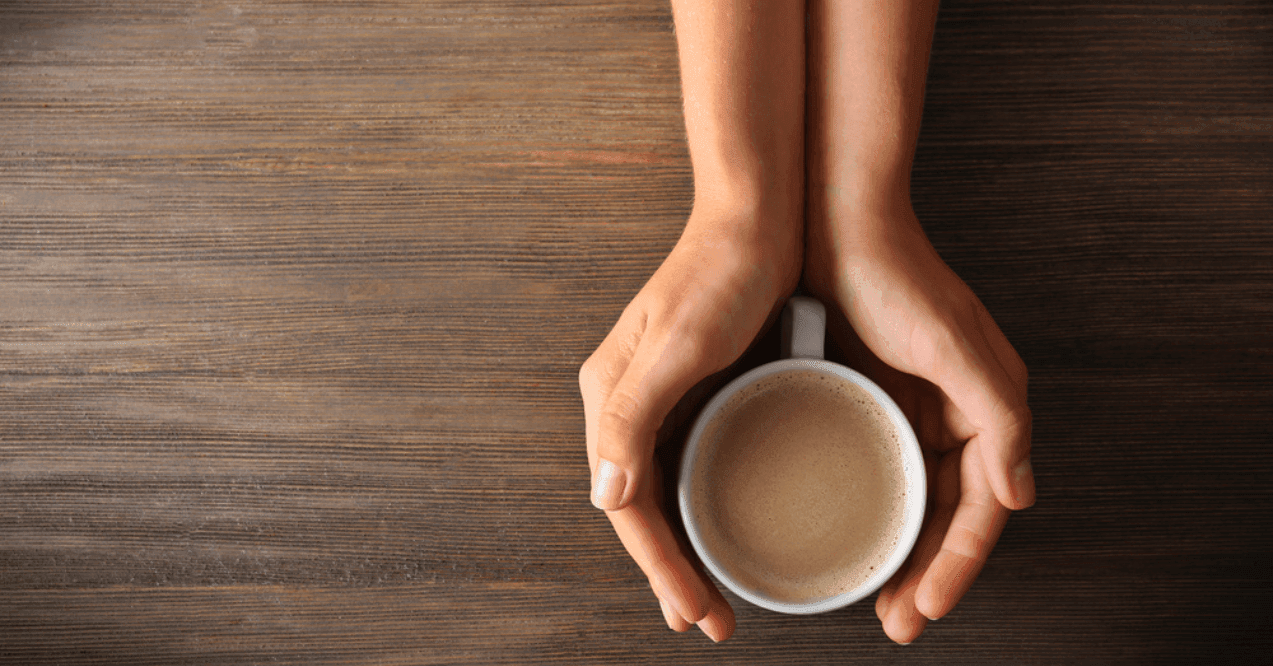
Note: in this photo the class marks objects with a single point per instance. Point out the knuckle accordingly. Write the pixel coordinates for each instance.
(621, 414)
(1020, 415)
(680, 313)
(694, 340)
(1026, 419)
(1023, 373)
(685, 331)
(1016, 368)
(1020, 426)
(590, 373)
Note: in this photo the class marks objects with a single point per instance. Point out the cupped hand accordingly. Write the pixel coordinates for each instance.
(917, 330)
(727, 276)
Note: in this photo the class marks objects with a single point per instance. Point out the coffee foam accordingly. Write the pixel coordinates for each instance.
(793, 492)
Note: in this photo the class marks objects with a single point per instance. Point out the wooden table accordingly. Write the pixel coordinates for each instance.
(293, 297)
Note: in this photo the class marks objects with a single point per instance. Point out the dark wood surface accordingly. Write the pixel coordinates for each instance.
(293, 297)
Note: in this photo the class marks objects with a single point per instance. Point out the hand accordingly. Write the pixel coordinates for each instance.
(725, 279)
(920, 332)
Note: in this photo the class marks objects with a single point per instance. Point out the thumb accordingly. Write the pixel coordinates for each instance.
(970, 372)
(663, 368)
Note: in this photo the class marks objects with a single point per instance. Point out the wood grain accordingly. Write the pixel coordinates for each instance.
(293, 298)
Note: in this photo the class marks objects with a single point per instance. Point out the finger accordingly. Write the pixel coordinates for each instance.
(719, 623)
(888, 594)
(674, 621)
(1016, 458)
(977, 521)
(961, 362)
(649, 540)
(602, 370)
(666, 364)
(885, 598)
(888, 591)
(714, 625)
(902, 620)
(904, 624)
(1006, 457)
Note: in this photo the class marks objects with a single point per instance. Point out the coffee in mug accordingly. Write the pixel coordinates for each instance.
(799, 487)
(803, 486)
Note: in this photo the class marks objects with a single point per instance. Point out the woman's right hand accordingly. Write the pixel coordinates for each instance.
(727, 276)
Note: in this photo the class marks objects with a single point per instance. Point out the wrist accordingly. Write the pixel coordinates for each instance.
(772, 241)
(747, 220)
(771, 205)
(861, 199)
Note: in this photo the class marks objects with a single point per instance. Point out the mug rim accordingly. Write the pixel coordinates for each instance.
(914, 475)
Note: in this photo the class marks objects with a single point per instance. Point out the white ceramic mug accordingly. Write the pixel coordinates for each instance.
(803, 333)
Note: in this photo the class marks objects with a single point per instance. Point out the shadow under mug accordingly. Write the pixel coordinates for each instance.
(803, 335)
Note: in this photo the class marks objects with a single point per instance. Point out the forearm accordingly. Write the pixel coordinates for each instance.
(868, 66)
(742, 79)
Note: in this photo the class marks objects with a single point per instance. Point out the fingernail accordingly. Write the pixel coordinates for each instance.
(608, 485)
(718, 624)
(713, 627)
(1023, 481)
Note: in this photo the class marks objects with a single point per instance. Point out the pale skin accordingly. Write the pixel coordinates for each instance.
(914, 326)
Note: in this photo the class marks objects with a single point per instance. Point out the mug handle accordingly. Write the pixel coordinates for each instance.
(804, 324)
